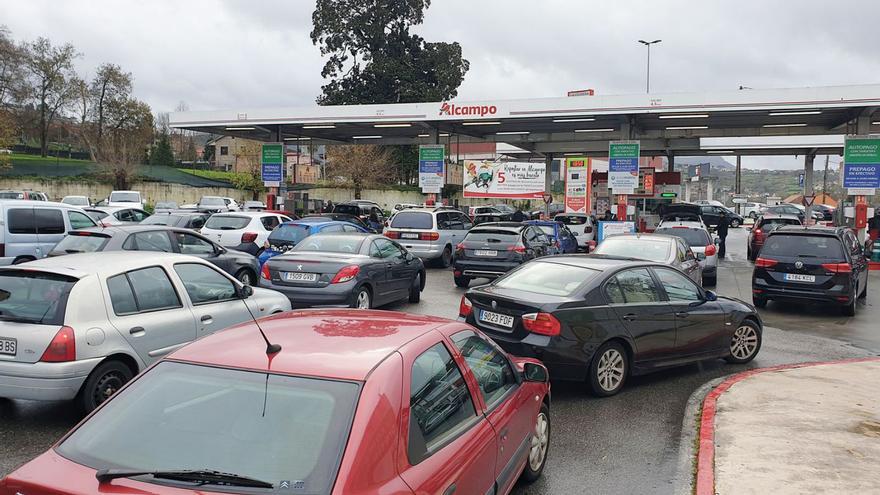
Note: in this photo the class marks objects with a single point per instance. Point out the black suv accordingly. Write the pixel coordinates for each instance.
(492, 249)
(826, 264)
(712, 216)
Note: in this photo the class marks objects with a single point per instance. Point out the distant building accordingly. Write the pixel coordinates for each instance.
(233, 154)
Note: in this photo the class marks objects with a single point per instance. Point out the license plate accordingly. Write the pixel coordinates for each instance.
(409, 235)
(797, 277)
(300, 277)
(8, 346)
(496, 319)
(485, 252)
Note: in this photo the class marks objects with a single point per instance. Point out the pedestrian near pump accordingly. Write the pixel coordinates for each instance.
(608, 216)
(374, 223)
(721, 228)
(518, 216)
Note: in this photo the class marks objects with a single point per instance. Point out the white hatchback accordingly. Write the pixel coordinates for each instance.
(581, 225)
(236, 228)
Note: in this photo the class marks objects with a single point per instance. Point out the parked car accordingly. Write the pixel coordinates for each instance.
(345, 269)
(342, 217)
(352, 402)
(29, 230)
(504, 208)
(183, 219)
(491, 250)
(712, 215)
(80, 201)
(212, 204)
(811, 264)
(242, 266)
(164, 207)
(126, 199)
(253, 206)
(83, 325)
(360, 208)
(245, 231)
(599, 320)
(116, 215)
(232, 204)
(482, 218)
(555, 209)
(672, 251)
(582, 226)
(695, 235)
(430, 233)
(826, 211)
(785, 209)
(473, 211)
(286, 236)
(562, 240)
(27, 195)
(764, 224)
(752, 210)
(815, 213)
(674, 213)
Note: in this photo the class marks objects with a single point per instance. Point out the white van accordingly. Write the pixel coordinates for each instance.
(30, 229)
(125, 198)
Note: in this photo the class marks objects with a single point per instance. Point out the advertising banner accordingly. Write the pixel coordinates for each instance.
(861, 164)
(272, 164)
(488, 179)
(608, 229)
(432, 167)
(577, 170)
(623, 166)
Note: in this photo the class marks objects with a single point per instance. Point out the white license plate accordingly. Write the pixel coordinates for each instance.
(797, 277)
(300, 277)
(8, 346)
(409, 235)
(485, 252)
(496, 319)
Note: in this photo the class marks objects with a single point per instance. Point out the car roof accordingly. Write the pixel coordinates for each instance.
(325, 222)
(507, 225)
(102, 263)
(809, 230)
(786, 216)
(331, 343)
(546, 223)
(594, 261)
(244, 214)
(681, 224)
(30, 202)
(640, 236)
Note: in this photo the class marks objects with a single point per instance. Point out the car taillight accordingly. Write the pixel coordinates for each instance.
(837, 267)
(465, 308)
(542, 323)
(248, 237)
(519, 248)
(62, 348)
(347, 273)
(557, 244)
(711, 250)
(459, 248)
(429, 236)
(392, 234)
(765, 263)
(265, 272)
(588, 230)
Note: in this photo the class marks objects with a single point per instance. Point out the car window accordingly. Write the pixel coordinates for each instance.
(81, 242)
(227, 222)
(121, 295)
(413, 220)
(197, 222)
(490, 367)
(681, 250)
(204, 284)
(387, 249)
(49, 221)
(332, 228)
(444, 221)
(441, 406)
(193, 244)
(79, 220)
(154, 291)
(138, 216)
(637, 286)
(269, 223)
(374, 251)
(807, 246)
(149, 241)
(613, 292)
(693, 237)
(350, 228)
(640, 248)
(21, 221)
(554, 279)
(677, 286)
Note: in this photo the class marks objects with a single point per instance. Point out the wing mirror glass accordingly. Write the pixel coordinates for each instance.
(701, 256)
(718, 241)
(535, 373)
(711, 296)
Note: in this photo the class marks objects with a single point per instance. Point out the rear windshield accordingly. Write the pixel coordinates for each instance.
(34, 297)
(159, 220)
(166, 205)
(693, 237)
(413, 220)
(630, 247)
(348, 209)
(227, 222)
(289, 233)
(549, 230)
(772, 223)
(803, 246)
(555, 279)
(11, 195)
(285, 430)
(332, 244)
(97, 214)
(493, 236)
(76, 200)
(125, 197)
(208, 201)
(571, 220)
(77, 243)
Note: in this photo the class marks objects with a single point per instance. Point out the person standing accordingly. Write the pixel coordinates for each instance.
(721, 228)
(608, 216)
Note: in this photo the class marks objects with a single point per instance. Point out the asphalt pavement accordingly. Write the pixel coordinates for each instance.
(628, 443)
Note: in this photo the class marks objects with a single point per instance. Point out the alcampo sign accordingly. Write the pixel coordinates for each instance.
(481, 110)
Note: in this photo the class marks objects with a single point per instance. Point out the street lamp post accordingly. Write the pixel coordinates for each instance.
(648, 75)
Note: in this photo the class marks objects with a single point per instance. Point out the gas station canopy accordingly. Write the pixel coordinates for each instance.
(783, 121)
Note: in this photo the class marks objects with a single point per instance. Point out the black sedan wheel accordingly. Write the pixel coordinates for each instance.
(608, 370)
(735, 223)
(415, 290)
(102, 383)
(462, 281)
(245, 276)
(744, 343)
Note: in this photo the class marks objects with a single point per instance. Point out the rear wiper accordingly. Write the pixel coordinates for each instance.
(200, 476)
(806, 256)
(72, 251)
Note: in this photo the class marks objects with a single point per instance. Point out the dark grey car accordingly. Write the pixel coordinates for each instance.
(345, 269)
(242, 266)
(185, 220)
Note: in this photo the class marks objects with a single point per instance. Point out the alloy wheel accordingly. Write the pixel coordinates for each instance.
(540, 442)
(245, 278)
(610, 371)
(363, 300)
(744, 342)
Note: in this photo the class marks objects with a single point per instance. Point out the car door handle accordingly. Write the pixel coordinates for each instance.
(630, 317)
(503, 434)
(682, 314)
(450, 490)
(207, 319)
(135, 330)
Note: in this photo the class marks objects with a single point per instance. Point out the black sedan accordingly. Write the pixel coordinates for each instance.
(493, 249)
(600, 319)
(242, 266)
(345, 269)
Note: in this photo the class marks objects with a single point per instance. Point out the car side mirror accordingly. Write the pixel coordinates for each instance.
(409, 257)
(246, 291)
(535, 373)
(717, 240)
(701, 256)
(711, 296)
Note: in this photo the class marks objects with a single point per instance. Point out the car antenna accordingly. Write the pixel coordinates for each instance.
(270, 347)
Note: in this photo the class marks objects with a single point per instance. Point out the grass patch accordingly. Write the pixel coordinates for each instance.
(49, 161)
(210, 174)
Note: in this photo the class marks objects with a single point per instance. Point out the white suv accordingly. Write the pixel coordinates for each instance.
(430, 233)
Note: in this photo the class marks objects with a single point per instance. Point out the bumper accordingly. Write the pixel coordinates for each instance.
(307, 297)
(44, 381)
(424, 251)
(490, 269)
(762, 290)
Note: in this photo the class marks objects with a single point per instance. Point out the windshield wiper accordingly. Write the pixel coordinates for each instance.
(806, 256)
(200, 476)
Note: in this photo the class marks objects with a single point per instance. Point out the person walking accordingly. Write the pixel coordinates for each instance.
(518, 216)
(721, 229)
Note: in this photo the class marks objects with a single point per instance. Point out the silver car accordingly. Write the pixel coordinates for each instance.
(430, 233)
(80, 326)
(701, 243)
(664, 249)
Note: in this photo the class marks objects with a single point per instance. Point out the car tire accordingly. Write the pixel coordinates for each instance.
(415, 289)
(850, 309)
(102, 383)
(710, 281)
(462, 282)
(246, 276)
(445, 258)
(362, 298)
(753, 215)
(759, 302)
(608, 370)
(539, 448)
(864, 293)
(734, 223)
(23, 259)
(745, 342)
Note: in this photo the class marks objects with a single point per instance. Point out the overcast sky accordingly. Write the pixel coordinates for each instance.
(218, 54)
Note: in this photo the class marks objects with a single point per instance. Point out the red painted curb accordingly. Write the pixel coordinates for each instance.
(705, 484)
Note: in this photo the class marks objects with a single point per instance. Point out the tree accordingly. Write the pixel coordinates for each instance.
(373, 57)
(162, 154)
(12, 76)
(7, 137)
(208, 153)
(50, 70)
(122, 147)
(360, 166)
(247, 160)
(110, 88)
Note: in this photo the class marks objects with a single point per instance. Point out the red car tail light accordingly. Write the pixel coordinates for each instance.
(519, 248)
(459, 248)
(588, 230)
(429, 236)
(248, 237)
(347, 273)
(711, 250)
(837, 267)
(265, 272)
(765, 262)
(465, 308)
(391, 234)
(542, 324)
(62, 348)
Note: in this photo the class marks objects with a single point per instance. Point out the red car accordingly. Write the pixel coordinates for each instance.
(354, 402)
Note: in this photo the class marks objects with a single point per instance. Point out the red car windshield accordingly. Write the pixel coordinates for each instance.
(285, 430)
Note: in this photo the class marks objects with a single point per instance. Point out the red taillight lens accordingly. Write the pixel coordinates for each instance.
(459, 248)
(765, 263)
(542, 323)
(62, 348)
(465, 308)
(837, 267)
(265, 272)
(248, 237)
(429, 236)
(588, 230)
(711, 250)
(392, 234)
(347, 273)
(519, 248)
